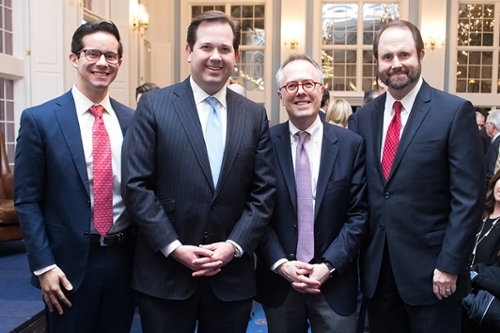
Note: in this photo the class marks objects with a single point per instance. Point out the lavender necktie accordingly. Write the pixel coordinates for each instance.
(305, 213)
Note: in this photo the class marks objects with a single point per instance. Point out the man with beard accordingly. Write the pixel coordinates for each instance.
(425, 175)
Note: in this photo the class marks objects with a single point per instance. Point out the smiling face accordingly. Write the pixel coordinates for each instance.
(302, 106)
(399, 63)
(94, 77)
(213, 57)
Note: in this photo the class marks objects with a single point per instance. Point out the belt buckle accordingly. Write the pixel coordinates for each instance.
(101, 241)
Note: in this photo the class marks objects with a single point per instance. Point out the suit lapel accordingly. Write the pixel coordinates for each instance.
(418, 113)
(283, 157)
(235, 125)
(67, 119)
(329, 153)
(124, 118)
(377, 130)
(184, 106)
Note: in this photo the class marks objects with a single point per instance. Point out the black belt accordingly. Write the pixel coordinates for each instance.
(111, 239)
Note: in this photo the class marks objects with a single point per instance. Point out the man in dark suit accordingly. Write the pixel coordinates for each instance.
(320, 288)
(62, 202)
(325, 101)
(199, 222)
(485, 139)
(492, 126)
(425, 201)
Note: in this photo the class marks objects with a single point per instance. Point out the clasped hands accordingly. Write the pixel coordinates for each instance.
(204, 260)
(304, 277)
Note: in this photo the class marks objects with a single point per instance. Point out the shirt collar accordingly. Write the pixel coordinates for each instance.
(83, 104)
(408, 100)
(313, 130)
(200, 95)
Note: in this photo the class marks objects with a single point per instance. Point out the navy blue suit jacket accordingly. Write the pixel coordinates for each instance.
(429, 210)
(340, 223)
(168, 189)
(52, 196)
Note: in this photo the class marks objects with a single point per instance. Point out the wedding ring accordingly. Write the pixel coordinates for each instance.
(447, 290)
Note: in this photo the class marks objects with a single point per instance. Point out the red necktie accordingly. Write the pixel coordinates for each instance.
(391, 140)
(305, 213)
(103, 173)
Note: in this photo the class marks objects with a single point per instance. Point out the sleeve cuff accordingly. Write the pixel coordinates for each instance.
(41, 271)
(167, 250)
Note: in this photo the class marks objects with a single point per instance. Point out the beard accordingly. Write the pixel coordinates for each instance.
(399, 83)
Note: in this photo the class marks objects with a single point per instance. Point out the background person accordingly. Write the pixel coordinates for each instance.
(339, 112)
(200, 214)
(67, 193)
(492, 126)
(325, 101)
(486, 253)
(145, 87)
(425, 173)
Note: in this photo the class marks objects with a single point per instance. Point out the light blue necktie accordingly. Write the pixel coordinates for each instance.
(214, 142)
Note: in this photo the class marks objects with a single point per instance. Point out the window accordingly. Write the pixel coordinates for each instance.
(7, 86)
(7, 125)
(348, 30)
(6, 45)
(475, 48)
(249, 71)
(475, 51)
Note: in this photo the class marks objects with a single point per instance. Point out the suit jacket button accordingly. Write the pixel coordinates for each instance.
(205, 234)
(291, 256)
(382, 227)
(387, 195)
(88, 203)
(86, 235)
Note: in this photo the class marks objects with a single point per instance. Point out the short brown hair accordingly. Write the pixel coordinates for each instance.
(417, 38)
(213, 16)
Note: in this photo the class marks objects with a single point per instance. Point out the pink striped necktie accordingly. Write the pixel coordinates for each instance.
(391, 140)
(305, 213)
(103, 173)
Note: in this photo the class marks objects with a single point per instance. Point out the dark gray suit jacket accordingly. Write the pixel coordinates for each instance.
(429, 210)
(491, 158)
(168, 188)
(340, 223)
(52, 196)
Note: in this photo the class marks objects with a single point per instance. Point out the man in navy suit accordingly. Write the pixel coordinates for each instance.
(321, 289)
(199, 223)
(84, 275)
(426, 208)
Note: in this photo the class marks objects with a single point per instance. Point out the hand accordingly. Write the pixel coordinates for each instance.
(443, 284)
(197, 259)
(298, 273)
(320, 273)
(223, 253)
(50, 283)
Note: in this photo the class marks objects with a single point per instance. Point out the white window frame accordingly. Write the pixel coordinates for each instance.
(353, 97)
(477, 99)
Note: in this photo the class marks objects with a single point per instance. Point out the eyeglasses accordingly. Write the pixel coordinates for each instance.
(293, 87)
(94, 55)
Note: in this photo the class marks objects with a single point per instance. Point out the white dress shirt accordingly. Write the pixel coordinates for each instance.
(407, 103)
